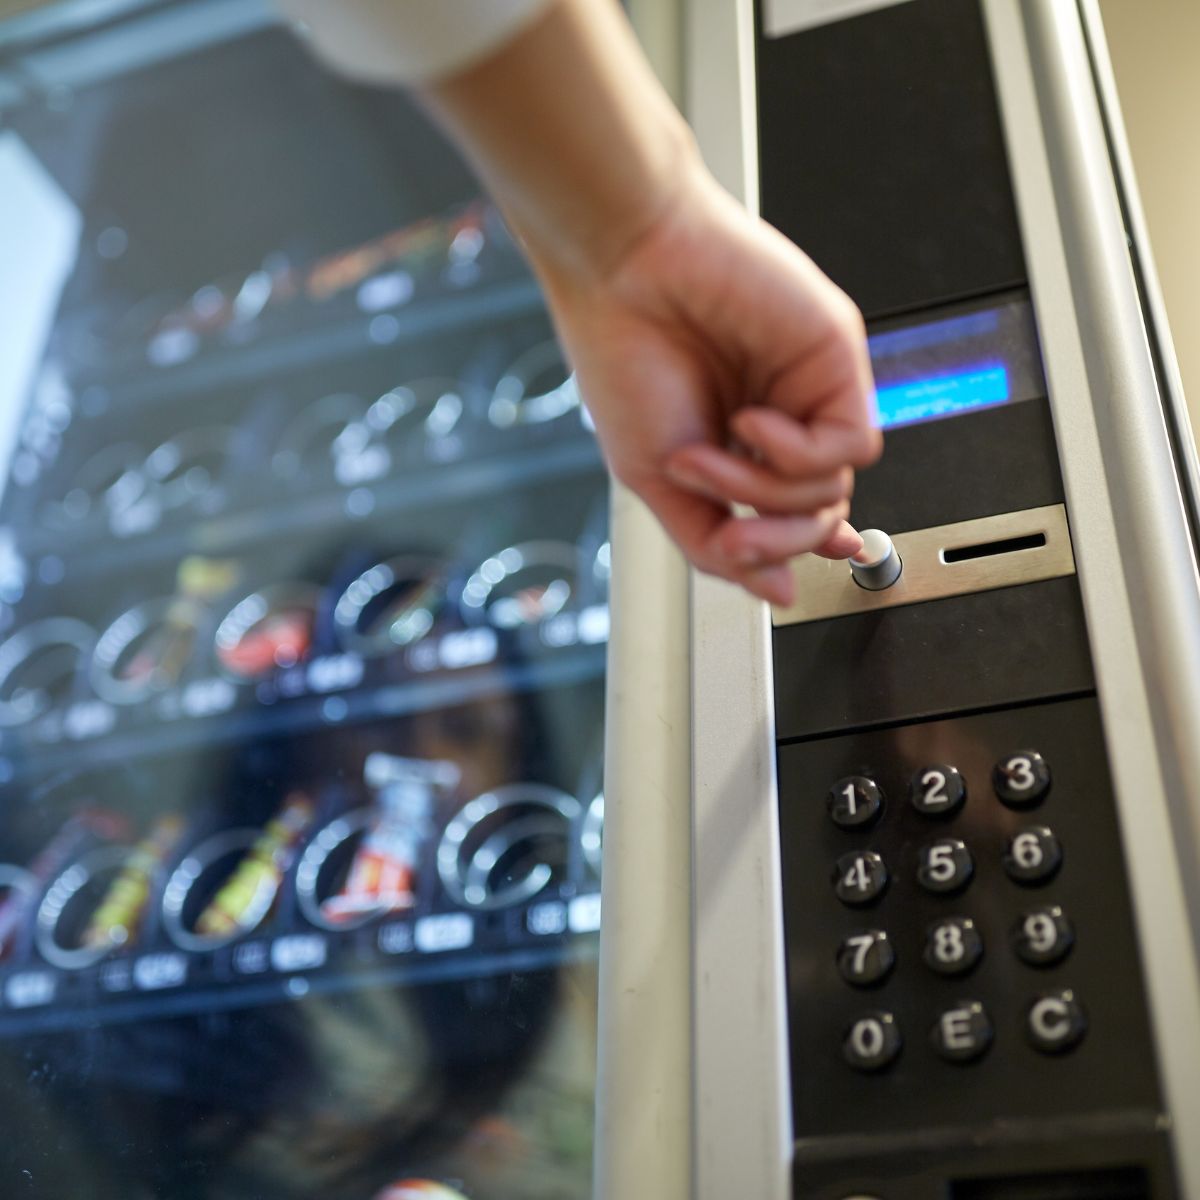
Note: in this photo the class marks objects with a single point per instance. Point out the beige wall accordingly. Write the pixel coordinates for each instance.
(1155, 48)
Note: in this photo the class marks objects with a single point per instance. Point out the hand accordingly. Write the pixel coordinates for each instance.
(722, 367)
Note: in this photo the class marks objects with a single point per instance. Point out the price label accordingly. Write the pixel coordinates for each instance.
(299, 952)
(583, 914)
(547, 919)
(154, 972)
(30, 989)
(334, 672)
(446, 931)
(396, 938)
(251, 958)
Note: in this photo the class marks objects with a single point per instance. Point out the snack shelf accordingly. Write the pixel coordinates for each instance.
(326, 692)
(136, 382)
(541, 460)
(555, 928)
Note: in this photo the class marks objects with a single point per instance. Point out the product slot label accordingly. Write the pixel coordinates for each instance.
(30, 989)
(153, 972)
(299, 952)
(446, 931)
(583, 914)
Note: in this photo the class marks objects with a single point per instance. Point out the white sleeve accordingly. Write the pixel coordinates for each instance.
(408, 41)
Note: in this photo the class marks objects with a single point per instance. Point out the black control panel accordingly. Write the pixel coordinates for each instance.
(967, 1009)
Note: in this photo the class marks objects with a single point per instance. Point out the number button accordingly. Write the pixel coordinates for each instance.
(866, 958)
(945, 866)
(859, 877)
(1021, 780)
(854, 802)
(937, 791)
(953, 946)
(1056, 1022)
(962, 1033)
(872, 1042)
(1033, 856)
(1043, 936)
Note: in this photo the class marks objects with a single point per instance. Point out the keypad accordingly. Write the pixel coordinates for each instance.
(985, 937)
(1041, 936)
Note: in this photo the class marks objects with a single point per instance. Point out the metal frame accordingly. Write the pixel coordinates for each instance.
(1110, 376)
(741, 1116)
(1133, 545)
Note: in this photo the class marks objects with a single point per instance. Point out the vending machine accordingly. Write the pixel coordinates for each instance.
(303, 618)
(946, 820)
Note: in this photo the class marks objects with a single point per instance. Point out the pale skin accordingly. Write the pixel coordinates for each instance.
(720, 366)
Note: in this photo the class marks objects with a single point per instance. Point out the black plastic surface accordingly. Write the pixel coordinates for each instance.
(920, 1095)
(882, 155)
(975, 465)
(967, 652)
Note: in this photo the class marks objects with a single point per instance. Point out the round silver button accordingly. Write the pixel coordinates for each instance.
(877, 565)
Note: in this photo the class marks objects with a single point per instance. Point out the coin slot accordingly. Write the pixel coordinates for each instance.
(1120, 1183)
(1030, 541)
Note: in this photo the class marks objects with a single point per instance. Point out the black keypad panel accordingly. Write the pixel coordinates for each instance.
(988, 916)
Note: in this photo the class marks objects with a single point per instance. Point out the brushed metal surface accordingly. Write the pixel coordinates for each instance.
(825, 588)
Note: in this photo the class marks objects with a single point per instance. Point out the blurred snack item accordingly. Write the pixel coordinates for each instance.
(148, 647)
(120, 913)
(390, 605)
(244, 899)
(522, 585)
(84, 831)
(415, 248)
(382, 875)
(269, 629)
(420, 1189)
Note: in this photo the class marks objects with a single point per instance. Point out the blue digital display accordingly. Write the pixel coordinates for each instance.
(942, 395)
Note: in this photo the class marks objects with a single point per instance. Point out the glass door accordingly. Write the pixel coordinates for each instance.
(303, 615)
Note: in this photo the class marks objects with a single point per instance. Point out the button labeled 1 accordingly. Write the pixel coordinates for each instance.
(854, 802)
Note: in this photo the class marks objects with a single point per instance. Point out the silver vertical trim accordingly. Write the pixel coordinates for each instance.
(1133, 546)
(742, 1126)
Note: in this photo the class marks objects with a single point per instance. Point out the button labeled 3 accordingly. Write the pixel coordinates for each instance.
(1021, 780)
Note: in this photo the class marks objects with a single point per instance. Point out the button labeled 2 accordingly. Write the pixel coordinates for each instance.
(937, 791)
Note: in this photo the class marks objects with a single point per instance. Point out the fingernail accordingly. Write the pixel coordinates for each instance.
(687, 477)
(747, 556)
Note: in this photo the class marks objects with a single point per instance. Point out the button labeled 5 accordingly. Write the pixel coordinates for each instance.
(945, 865)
